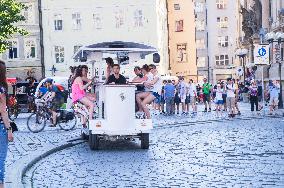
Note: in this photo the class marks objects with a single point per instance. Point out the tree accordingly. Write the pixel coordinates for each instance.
(10, 14)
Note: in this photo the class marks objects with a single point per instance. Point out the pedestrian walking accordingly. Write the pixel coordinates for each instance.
(253, 96)
(5, 128)
(169, 97)
(206, 89)
(230, 89)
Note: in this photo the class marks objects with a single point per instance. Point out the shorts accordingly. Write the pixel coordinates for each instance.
(206, 98)
(187, 100)
(220, 102)
(182, 98)
(230, 102)
(56, 104)
(193, 100)
(177, 100)
(273, 101)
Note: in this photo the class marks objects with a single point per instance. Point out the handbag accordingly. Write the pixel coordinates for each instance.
(13, 126)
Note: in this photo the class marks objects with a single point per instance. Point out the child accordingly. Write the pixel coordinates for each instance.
(219, 100)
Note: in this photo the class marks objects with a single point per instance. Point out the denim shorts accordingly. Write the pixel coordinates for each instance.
(3, 151)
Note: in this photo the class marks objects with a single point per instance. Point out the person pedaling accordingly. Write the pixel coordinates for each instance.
(55, 96)
(79, 93)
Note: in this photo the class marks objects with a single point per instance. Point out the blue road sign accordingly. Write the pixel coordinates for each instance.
(262, 51)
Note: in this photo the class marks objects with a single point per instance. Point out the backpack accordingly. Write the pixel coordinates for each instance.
(62, 91)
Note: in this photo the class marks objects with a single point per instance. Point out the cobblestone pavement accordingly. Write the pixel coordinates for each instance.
(239, 153)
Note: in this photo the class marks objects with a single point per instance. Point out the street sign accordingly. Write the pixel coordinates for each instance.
(277, 53)
(261, 54)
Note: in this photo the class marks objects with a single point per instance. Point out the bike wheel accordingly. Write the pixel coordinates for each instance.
(36, 122)
(68, 125)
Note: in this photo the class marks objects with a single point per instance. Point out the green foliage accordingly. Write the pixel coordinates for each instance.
(10, 14)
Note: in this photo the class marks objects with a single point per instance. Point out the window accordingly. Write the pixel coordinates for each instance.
(76, 49)
(222, 60)
(97, 20)
(179, 26)
(176, 7)
(57, 22)
(76, 18)
(199, 7)
(138, 18)
(223, 41)
(59, 54)
(181, 53)
(222, 22)
(200, 44)
(200, 25)
(201, 61)
(119, 18)
(30, 48)
(13, 49)
(221, 4)
(29, 13)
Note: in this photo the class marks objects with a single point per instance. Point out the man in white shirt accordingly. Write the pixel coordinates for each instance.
(230, 89)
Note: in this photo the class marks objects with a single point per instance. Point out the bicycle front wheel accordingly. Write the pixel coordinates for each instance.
(68, 124)
(36, 122)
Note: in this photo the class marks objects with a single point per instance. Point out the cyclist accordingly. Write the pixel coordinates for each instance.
(56, 98)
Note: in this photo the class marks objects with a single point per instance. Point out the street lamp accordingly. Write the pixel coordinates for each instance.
(241, 53)
(279, 38)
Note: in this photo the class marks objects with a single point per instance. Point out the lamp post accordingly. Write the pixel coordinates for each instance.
(241, 53)
(279, 38)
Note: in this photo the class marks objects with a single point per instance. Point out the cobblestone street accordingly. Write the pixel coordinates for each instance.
(240, 153)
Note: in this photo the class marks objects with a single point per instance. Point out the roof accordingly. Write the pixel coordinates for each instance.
(115, 47)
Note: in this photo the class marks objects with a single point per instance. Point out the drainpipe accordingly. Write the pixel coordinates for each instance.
(41, 39)
(169, 55)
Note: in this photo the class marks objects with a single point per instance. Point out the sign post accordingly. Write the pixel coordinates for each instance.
(261, 57)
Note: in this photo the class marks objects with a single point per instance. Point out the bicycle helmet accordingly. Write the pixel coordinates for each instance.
(49, 80)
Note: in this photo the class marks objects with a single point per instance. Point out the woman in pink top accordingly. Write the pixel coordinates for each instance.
(79, 93)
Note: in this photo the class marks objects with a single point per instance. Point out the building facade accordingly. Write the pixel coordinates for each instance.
(216, 33)
(68, 25)
(23, 58)
(182, 48)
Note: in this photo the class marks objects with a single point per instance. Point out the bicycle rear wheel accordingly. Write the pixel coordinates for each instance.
(68, 124)
(36, 122)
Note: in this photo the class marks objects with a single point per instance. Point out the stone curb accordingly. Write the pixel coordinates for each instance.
(17, 176)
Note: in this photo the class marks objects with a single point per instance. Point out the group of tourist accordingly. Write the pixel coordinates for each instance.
(225, 96)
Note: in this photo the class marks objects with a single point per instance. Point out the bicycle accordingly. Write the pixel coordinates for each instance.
(37, 121)
(81, 112)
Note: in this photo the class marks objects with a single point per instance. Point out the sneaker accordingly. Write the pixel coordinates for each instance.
(209, 110)
(205, 110)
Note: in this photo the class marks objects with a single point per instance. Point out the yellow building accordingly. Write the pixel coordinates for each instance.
(182, 49)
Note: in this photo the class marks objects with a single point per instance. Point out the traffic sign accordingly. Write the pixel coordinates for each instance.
(261, 54)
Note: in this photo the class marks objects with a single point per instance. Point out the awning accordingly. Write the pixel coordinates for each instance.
(114, 47)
